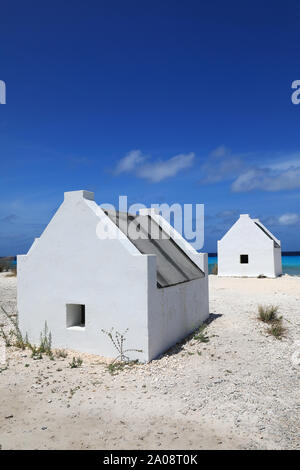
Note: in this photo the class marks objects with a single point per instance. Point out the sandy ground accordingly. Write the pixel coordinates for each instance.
(238, 391)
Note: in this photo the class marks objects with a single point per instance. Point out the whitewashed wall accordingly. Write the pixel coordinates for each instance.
(69, 264)
(245, 237)
(175, 311)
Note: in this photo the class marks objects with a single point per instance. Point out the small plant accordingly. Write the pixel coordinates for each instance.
(61, 353)
(115, 367)
(277, 329)
(268, 314)
(118, 340)
(44, 346)
(45, 342)
(23, 342)
(214, 269)
(73, 391)
(35, 352)
(76, 362)
(19, 342)
(7, 337)
(200, 335)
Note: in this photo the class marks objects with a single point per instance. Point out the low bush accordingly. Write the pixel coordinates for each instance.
(268, 313)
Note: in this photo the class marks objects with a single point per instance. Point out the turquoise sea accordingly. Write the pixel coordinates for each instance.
(290, 262)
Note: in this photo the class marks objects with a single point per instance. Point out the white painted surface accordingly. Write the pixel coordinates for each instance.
(69, 264)
(246, 238)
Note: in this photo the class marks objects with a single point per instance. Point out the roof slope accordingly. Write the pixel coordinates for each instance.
(173, 265)
(267, 232)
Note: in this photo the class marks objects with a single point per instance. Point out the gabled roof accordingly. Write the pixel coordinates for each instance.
(267, 232)
(173, 264)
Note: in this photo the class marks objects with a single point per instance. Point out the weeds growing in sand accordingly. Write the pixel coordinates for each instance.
(19, 341)
(116, 366)
(7, 337)
(46, 341)
(118, 339)
(44, 346)
(277, 329)
(61, 353)
(268, 314)
(76, 362)
(200, 335)
(22, 342)
(73, 391)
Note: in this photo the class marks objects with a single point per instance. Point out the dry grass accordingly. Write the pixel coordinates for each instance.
(268, 314)
(277, 329)
(214, 269)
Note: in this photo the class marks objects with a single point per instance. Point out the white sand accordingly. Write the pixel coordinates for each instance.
(241, 392)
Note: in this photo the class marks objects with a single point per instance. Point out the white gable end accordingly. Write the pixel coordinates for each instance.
(80, 283)
(249, 249)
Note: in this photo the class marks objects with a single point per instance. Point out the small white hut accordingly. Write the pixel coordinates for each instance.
(249, 249)
(80, 281)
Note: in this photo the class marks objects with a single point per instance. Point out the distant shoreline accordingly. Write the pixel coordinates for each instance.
(284, 253)
(290, 262)
(210, 255)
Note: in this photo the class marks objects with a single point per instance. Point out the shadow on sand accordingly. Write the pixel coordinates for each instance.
(178, 347)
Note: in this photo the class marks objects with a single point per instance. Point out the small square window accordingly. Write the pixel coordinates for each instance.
(244, 259)
(75, 315)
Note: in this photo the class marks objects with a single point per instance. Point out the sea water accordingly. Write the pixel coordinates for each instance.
(290, 263)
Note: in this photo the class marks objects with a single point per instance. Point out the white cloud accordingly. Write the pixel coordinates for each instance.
(160, 170)
(154, 171)
(289, 219)
(276, 174)
(130, 162)
(267, 179)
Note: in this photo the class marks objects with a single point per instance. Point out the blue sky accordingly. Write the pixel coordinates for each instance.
(163, 101)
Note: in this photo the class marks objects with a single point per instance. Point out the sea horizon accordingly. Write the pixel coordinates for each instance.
(290, 262)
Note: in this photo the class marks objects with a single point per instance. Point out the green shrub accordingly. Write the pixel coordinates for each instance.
(200, 335)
